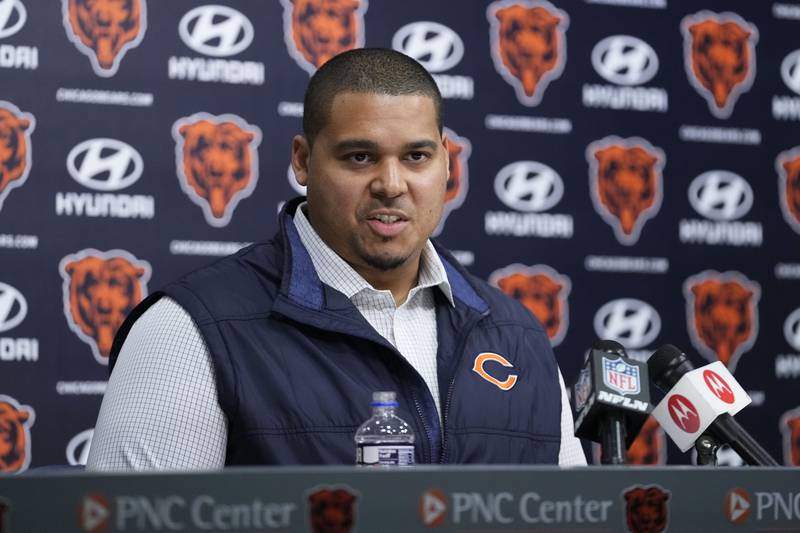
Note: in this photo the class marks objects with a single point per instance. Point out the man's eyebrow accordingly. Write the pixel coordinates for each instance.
(355, 144)
(418, 145)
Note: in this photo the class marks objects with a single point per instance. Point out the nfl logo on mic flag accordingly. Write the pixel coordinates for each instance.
(621, 376)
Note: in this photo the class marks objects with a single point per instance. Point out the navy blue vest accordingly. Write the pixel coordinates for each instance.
(296, 364)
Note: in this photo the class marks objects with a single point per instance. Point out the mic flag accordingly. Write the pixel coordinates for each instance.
(696, 400)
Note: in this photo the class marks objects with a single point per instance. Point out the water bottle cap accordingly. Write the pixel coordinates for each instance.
(384, 399)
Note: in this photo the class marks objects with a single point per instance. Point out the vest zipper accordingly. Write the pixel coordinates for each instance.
(424, 426)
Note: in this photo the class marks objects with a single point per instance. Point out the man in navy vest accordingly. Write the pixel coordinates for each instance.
(270, 356)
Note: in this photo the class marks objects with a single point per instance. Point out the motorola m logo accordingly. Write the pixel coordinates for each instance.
(12, 17)
(632, 322)
(217, 31)
(529, 186)
(790, 71)
(625, 60)
(105, 164)
(13, 307)
(791, 329)
(721, 195)
(434, 45)
(78, 447)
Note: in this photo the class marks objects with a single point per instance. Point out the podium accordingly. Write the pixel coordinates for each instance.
(473, 499)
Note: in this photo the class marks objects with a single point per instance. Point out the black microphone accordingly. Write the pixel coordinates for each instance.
(611, 399)
(667, 365)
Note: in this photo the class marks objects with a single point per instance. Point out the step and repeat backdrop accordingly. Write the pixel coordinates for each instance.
(627, 169)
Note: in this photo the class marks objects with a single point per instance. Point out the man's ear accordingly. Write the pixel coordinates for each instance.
(446, 152)
(301, 153)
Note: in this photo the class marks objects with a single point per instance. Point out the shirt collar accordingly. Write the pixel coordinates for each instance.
(336, 272)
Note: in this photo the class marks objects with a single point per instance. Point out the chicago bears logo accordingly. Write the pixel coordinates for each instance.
(722, 315)
(458, 151)
(720, 57)
(788, 166)
(646, 508)
(99, 290)
(217, 160)
(15, 435)
(105, 30)
(317, 30)
(529, 45)
(542, 290)
(332, 510)
(790, 428)
(15, 147)
(650, 446)
(626, 183)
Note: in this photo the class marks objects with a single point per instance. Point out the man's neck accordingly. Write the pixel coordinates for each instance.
(399, 280)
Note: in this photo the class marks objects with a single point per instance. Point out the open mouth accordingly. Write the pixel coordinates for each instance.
(387, 225)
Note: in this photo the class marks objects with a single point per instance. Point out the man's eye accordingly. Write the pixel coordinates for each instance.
(359, 158)
(418, 156)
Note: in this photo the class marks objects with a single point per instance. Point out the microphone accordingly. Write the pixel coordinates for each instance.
(611, 399)
(702, 400)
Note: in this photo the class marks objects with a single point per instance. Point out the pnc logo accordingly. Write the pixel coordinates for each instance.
(790, 71)
(722, 315)
(94, 513)
(434, 45)
(528, 45)
(12, 17)
(105, 30)
(478, 368)
(317, 30)
(15, 435)
(105, 164)
(719, 57)
(791, 329)
(718, 386)
(721, 195)
(788, 166)
(528, 186)
(790, 429)
(626, 183)
(458, 151)
(99, 290)
(625, 60)
(646, 508)
(13, 307)
(15, 147)
(78, 447)
(433, 508)
(217, 31)
(683, 413)
(632, 322)
(542, 290)
(217, 162)
(737, 506)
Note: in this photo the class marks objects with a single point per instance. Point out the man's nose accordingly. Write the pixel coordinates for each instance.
(390, 181)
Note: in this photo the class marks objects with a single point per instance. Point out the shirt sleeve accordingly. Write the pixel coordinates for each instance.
(160, 410)
(571, 452)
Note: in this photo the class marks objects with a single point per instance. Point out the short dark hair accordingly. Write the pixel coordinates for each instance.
(365, 70)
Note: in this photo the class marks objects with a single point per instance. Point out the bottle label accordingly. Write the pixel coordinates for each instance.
(384, 455)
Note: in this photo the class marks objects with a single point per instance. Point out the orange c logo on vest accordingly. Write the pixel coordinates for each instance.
(481, 360)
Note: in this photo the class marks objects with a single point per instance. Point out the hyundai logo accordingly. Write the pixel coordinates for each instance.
(721, 195)
(217, 31)
(790, 71)
(529, 186)
(625, 60)
(629, 321)
(13, 307)
(434, 45)
(105, 164)
(12, 17)
(791, 329)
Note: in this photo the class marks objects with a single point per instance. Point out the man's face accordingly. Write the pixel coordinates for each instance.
(376, 178)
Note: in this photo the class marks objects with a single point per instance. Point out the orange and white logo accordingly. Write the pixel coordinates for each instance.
(15, 435)
(480, 363)
(542, 290)
(737, 506)
(217, 162)
(317, 30)
(720, 57)
(788, 166)
(433, 507)
(94, 513)
(626, 183)
(529, 45)
(105, 30)
(458, 151)
(15, 148)
(722, 314)
(99, 290)
(790, 429)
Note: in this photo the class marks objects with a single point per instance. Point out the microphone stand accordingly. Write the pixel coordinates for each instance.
(706, 447)
(613, 435)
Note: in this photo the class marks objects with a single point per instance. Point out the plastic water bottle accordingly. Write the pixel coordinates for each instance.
(385, 439)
